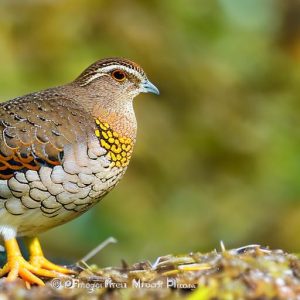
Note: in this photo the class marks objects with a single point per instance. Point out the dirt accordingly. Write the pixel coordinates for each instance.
(250, 272)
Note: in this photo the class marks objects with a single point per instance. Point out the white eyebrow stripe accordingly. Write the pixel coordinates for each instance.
(119, 67)
(95, 76)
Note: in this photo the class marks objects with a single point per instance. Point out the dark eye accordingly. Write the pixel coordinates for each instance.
(119, 75)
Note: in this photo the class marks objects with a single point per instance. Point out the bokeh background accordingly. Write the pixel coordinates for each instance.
(217, 154)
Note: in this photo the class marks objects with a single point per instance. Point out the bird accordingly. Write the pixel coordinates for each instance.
(62, 150)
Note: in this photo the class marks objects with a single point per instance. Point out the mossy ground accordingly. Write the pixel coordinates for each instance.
(250, 272)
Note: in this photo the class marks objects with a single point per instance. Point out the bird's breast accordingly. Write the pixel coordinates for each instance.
(119, 148)
(35, 200)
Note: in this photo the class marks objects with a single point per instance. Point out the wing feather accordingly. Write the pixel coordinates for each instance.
(35, 129)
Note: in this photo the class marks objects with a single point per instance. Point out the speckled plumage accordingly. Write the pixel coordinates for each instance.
(64, 148)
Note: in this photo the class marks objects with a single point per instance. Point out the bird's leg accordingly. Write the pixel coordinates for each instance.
(37, 258)
(17, 266)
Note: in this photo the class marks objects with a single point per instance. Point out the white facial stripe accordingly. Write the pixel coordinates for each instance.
(97, 75)
(120, 67)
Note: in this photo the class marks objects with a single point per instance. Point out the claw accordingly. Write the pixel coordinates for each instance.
(42, 262)
(38, 259)
(17, 266)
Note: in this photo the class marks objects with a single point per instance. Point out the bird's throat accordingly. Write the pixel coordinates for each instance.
(119, 147)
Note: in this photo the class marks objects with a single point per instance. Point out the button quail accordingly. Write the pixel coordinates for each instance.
(61, 151)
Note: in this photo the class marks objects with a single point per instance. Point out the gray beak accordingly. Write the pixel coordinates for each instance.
(148, 87)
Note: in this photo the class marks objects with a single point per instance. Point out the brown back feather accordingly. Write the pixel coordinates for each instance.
(36, 127)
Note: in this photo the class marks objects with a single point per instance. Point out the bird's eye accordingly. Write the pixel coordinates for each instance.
(119, 75)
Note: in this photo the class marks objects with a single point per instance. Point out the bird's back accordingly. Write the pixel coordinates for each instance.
(35, 128)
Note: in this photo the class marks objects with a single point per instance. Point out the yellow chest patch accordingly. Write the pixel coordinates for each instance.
(119, 148)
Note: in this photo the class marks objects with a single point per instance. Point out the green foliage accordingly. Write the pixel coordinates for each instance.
(217, 154)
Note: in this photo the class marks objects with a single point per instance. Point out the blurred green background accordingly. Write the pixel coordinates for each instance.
(217, 154)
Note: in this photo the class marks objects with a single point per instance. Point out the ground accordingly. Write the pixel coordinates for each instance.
(250, 272)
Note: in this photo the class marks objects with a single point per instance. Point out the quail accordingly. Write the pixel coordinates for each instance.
(61, 151)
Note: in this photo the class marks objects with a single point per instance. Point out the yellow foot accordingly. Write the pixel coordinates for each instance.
(37, 258)
(17, 266)
(42, 262)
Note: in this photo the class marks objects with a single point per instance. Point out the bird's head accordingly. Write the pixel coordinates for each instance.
(108, 87)
(120, 77)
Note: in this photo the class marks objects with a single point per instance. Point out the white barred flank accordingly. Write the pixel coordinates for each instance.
(34, 201)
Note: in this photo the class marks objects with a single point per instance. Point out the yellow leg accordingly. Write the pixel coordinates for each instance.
(37, 258)
(17, 266)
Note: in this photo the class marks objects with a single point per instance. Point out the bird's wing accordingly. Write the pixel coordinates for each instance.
(35, 128)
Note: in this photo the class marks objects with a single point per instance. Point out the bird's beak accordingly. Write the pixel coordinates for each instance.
(148, 87)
